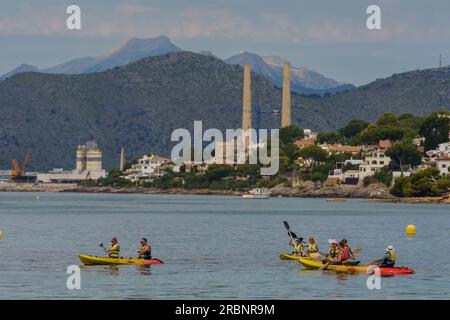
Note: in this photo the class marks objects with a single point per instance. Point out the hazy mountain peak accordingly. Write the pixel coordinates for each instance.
(303, 80)
(131, 51)
(274, 60)
(24, 67)
(143, 44)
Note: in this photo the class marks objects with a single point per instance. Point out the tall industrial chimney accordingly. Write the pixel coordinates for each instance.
(247, 100)
(122, 159)
(286, 98)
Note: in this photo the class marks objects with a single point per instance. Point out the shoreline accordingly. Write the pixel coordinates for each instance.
(332, 194)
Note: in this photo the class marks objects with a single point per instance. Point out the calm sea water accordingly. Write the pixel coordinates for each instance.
(213, 247)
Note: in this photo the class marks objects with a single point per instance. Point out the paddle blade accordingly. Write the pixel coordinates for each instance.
(357, 250)
(286, 225)
(101, 245)
(292, 234)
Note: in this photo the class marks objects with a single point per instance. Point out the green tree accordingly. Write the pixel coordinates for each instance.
(291, 151)
(405, 155)
(372, 134)
(435, 129)
(318, 178)
(290, 134)
(353, 128)
(402, 187)
(383, 176)
(313, 154)
(422, 183)
(218, 171)
(388, 119)
(443, 184)
(329, 137)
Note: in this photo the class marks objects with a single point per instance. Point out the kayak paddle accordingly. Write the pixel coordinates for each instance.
(288, 228)
(102, 246)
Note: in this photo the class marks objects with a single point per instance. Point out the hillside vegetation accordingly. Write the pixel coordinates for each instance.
(139, 105)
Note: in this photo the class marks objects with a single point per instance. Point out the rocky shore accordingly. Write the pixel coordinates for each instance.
(375, 193)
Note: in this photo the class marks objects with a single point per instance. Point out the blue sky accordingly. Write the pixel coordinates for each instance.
(327, 35)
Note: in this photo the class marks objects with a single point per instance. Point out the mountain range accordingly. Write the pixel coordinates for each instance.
(140, 104)
(304, 80)
(20, 69)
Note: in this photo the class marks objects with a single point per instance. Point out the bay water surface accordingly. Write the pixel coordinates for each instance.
(214, 247)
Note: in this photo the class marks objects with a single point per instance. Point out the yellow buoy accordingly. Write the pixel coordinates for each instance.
(1, 235)
(410, 230)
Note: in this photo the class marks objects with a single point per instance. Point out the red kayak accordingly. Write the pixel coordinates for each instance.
(395, 271)
(314, 264)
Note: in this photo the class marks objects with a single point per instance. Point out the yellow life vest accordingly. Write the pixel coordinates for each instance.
(393, 255)
(114, 251)
(312, 247)
(333, 252)
(298, 248)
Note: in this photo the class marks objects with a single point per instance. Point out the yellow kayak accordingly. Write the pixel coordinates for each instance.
(317, 264)
(290, 256)
(313, 264)
(92, 260)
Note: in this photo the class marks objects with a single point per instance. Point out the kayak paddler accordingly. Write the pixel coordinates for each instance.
(114, 249)
(297, 243)
(312, 248)
(145, 252)
(333, 256)
(346, 251)
(388, 261)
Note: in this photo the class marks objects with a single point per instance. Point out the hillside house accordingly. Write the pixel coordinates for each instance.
(146, 168)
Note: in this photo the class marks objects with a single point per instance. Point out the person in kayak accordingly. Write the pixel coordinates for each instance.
(312, 248)
(114, 249)
(389, 259)
(297, 243)
(333, 256)
(145, 252)
(346, 251)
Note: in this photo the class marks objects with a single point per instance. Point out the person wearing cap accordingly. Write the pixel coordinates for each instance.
(297, 243)
(114, 249)
(388, 260)
(333, 256)
(145, 252)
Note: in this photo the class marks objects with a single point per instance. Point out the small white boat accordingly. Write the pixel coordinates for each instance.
(258, 193)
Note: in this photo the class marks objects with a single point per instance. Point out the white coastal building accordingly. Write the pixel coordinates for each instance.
(309, 134)
(146, 168)
(359, 169)
(373, 163)
(443, 164)
(442, 150)
(438, 158)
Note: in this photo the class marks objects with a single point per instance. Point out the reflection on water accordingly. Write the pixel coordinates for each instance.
(145, 270)
(213, 247)
(113, 270)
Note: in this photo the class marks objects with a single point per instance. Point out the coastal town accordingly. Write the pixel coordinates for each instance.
(312, 164)
(397, 156)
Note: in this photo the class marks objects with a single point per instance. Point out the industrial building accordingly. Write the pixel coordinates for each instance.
(88, 166)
